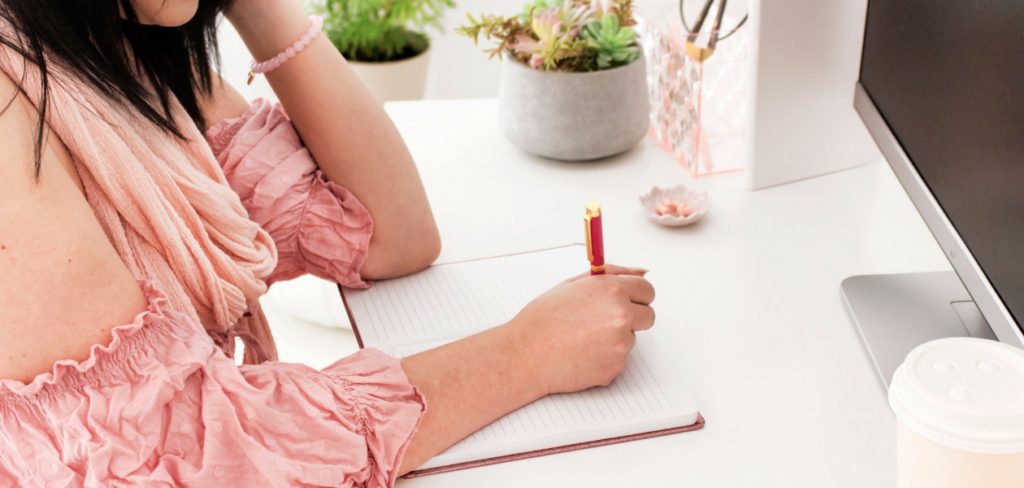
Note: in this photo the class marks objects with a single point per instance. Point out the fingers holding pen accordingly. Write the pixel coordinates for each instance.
(613, 270)
(643, 317)
(638, 289)
(621, 281)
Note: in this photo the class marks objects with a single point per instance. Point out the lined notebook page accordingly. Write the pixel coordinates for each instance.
(446, 302)
(643, 398)
(451, 301)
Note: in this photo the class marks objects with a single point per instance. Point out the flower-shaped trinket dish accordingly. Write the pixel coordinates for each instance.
(697, 200)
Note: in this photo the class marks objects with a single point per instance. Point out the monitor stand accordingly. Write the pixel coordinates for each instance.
(895, 313)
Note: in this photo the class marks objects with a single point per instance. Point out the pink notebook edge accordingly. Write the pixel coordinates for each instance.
(555, 450)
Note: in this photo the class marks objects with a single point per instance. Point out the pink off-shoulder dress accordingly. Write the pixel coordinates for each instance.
(161, 405)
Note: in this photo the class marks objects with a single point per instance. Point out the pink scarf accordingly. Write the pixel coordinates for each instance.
(165, 206)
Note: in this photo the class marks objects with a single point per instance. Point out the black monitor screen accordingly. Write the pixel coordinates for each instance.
(948, 78)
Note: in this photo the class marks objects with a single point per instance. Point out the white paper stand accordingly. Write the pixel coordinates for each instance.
(805, 59)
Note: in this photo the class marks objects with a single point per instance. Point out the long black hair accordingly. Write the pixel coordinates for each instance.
(93, 41)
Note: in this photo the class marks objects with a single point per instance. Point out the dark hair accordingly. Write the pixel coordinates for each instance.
(91, 40)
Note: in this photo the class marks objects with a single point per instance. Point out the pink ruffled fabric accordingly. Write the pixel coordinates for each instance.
(161, 406)
(319, 227)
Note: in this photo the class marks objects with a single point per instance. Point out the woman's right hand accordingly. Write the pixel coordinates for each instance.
(572, 337)
(577, 334)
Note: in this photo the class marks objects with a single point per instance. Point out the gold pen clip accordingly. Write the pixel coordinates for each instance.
(593, 210)
(590, 245)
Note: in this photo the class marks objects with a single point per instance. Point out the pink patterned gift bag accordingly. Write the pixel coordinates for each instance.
(698, 110)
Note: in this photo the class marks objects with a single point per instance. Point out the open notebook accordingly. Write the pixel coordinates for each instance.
(446, 302)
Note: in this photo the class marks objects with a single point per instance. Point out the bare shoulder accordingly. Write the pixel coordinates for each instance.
(224, 103)
(62, 284)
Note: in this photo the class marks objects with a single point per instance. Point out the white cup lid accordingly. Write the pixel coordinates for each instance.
(964, 393)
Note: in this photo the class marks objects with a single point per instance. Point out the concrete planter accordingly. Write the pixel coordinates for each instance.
(396, 80)
(573, 116)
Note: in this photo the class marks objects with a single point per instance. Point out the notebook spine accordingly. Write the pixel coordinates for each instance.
(351, 319)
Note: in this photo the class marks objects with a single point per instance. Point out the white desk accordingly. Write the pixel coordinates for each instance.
(748, 302)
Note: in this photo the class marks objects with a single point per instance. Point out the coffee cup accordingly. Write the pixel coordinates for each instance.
(959, 405)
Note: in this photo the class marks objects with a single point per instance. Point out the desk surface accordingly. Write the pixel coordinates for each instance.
(748, 302)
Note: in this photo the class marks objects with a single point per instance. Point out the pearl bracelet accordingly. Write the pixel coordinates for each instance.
(289, 53)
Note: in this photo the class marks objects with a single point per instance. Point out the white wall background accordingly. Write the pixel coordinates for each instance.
(458, 69)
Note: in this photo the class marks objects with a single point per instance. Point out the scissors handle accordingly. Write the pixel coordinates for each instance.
(700, 20)
(717, 25)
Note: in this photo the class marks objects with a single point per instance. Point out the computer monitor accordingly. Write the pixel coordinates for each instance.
(941, 90)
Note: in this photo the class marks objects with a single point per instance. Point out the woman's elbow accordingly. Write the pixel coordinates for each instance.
(387, 259)
(428, 252)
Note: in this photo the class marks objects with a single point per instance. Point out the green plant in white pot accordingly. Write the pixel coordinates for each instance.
(385, 41)
(573, 83)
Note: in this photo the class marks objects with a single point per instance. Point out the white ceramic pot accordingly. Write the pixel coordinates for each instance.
(573, 116)
(395, 80)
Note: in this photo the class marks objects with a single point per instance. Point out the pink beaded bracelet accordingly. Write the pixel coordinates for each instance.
(276, 61)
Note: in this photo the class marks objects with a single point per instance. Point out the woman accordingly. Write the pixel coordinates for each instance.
(133, 251)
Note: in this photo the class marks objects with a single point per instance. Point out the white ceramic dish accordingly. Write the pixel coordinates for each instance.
(697, 200)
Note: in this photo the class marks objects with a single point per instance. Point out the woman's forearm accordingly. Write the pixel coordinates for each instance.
(349, 135)
(468, 384)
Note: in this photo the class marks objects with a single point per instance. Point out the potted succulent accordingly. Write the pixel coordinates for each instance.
(573, 83)
(385, 41)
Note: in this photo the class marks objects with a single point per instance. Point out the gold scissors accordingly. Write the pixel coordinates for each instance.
(703, 53)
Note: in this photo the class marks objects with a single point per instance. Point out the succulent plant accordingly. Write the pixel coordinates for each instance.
(614, 45)
(552, 45)
(573, 15)
(528, 9)
(574, 35)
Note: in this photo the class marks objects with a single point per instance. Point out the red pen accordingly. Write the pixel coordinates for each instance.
(595, 240)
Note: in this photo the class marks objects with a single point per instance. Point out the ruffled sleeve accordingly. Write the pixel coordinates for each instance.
(162, 406)
(387, 409)
(319, 227)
